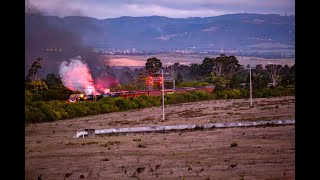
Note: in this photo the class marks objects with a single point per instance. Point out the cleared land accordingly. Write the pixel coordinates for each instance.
(187, 59)
(259, 152)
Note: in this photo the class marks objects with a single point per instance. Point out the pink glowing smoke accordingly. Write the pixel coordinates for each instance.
(76, 75)
(104, 81)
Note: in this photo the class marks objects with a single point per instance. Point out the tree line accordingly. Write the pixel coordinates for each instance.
(226, 72)
(46, 98)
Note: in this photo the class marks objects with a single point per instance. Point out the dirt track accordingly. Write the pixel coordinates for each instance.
(261, 153)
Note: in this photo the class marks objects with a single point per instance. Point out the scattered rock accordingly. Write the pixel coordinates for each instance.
(67, 175)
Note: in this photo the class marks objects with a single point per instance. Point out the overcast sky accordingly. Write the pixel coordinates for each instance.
(102, 9)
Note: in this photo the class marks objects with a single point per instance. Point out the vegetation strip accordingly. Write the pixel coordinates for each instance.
(47, 99)
(41, 111)
(84, 133)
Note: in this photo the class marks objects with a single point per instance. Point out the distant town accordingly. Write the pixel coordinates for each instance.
(272, 53)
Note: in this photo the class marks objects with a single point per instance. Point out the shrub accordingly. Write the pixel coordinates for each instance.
(257, 94)
(192, 96)
(193, 83)
(244, 93)
(221, 94)
(176, 98)
(233, 94)
(39, 111)
(121, 103)
(266, 92)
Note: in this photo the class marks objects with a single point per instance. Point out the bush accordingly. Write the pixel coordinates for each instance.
(141, 102)
(257, 94)
(194, 83)
(121, 103)
(244, 93)
(40, 111)
(233, 94)
(266, 92)
(154, 101)
(55, 94)
(221, 94)
(176, 98)
(191, 97)
(34, 114)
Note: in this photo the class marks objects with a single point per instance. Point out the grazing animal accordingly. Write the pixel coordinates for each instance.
(139, 170)
(232, 166)
(190, 167)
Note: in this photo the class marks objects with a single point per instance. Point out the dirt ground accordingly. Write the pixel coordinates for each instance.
(258, 152)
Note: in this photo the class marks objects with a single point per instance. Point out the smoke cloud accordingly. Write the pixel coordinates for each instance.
(102, 83)
(75, 75)
(55, 39)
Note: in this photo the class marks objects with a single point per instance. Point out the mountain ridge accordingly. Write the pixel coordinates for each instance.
(160, 32)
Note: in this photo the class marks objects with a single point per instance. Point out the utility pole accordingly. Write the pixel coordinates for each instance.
(250, 88)
(162, 95)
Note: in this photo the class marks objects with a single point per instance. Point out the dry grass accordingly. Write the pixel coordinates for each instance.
(262, 153)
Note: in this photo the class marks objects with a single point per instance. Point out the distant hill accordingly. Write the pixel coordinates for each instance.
(56, 39)
(156, 32)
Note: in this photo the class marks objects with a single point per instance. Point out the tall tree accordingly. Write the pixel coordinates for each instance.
(285, 75)
(225, 65)
(292, 74)
(273, 71)
(237, 78)
(206, 66)
(231, 66)
(259, 77)
(37, 86)
(177, 68)
(195, 70)
(53, 80)
(34, 70)
(153, 65)
(179, 78)
(126, 75)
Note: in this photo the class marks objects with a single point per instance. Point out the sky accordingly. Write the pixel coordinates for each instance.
(103, 9)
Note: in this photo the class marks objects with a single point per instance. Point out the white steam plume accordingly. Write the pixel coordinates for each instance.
(75, 75)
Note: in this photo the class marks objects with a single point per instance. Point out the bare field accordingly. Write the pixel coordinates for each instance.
(187, 59)
(259, 152)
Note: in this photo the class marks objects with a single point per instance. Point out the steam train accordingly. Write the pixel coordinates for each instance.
(128, 94)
